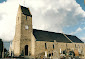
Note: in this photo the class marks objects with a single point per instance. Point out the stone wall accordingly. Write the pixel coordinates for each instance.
(40, 47)
(16, 41)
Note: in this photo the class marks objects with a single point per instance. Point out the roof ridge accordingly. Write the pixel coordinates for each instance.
(47, 31)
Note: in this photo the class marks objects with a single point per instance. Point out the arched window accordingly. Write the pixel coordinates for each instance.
(75, 46)
(66, 45)
(53, 46)
(26, 17)
(45, 46)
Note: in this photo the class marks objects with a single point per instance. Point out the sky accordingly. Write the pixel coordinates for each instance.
(63, 16)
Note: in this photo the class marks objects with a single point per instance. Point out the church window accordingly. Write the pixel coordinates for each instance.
(79, 46)
(66, 45)
(26, 17)
(53, 46)
(75, 45)
(45, 46)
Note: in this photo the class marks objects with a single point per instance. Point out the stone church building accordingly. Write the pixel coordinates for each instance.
(40, 43)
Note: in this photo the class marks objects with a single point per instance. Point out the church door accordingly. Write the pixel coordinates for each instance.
(26, 49)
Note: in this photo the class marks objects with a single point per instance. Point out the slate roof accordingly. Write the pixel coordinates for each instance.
(25, 11)
(49, 36)
(74, 39)
(41, 35)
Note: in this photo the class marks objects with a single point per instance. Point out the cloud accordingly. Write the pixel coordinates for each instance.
(8, 19)
(84, 28)
(50, 15)
(56, 13)
(83, 38)
(77, 31)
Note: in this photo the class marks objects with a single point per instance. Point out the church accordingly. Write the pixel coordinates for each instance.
(40, 43)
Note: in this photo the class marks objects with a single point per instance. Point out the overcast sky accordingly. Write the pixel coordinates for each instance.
(65, 16)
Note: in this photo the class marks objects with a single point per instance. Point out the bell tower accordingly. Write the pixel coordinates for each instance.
(22, 39)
